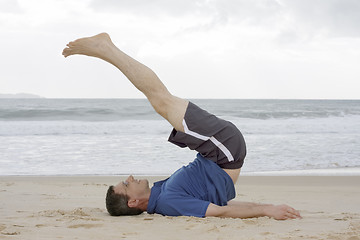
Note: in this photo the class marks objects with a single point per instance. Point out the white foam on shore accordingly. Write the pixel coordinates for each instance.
(309, 172)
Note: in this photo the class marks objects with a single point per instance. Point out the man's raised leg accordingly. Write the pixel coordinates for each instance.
(143, 78)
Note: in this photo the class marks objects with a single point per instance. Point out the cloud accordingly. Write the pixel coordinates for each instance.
(260, 42)
(287, 21)
(252, 11)
(149, 8)
(335, 18)
(9, 6)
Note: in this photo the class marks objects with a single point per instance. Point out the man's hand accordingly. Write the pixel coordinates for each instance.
(281, 212)
(236, 209)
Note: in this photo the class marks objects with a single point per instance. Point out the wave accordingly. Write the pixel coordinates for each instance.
(127, 109)
(75, 114)
(66, 128)
(89, 114)
(139, 127)
(54, 114)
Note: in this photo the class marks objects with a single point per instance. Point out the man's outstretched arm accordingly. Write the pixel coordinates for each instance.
(236, 209)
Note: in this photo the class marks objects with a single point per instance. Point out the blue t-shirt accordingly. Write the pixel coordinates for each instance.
(190, 190)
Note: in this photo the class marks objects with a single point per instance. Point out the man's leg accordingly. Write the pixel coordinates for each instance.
(143, 78)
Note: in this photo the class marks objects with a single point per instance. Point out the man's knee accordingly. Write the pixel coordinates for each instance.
(171, 108)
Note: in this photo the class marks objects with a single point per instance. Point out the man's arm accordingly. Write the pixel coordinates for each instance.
(236, 209)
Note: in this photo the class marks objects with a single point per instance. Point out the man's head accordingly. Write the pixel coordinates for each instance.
(129, 197)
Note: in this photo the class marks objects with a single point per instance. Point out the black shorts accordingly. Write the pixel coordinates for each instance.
(214, 138)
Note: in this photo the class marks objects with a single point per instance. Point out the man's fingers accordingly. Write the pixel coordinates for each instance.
(292, 213)
(284, 212)
(292, 216)
(296, 213)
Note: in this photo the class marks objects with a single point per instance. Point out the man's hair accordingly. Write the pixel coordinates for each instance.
(117, 204)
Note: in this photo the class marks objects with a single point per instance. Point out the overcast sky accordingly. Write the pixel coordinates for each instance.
(199, 48)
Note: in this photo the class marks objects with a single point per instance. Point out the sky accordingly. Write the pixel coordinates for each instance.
(277, 49)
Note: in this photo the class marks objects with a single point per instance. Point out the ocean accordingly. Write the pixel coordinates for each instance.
(126, 136)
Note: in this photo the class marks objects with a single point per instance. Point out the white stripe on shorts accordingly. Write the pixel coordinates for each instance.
(212, 139)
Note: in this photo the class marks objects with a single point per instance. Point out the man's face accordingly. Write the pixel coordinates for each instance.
(132, 187)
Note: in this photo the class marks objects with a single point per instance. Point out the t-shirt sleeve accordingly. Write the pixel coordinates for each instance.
(181, 206)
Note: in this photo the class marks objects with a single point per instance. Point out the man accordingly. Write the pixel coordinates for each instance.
(203, 188)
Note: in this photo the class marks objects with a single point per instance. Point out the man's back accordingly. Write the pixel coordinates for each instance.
(190, 190)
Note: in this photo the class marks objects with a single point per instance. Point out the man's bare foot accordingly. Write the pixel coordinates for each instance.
(96, 46)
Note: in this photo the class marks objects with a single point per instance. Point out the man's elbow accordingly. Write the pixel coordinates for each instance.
(215, 211)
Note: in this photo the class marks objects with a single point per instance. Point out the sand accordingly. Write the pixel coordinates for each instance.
(73, 208)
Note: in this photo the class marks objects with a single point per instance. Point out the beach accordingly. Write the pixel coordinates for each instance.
(73, 207)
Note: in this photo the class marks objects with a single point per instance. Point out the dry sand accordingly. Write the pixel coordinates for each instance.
(73, 208)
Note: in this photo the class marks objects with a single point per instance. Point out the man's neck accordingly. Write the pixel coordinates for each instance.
(145, 200)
